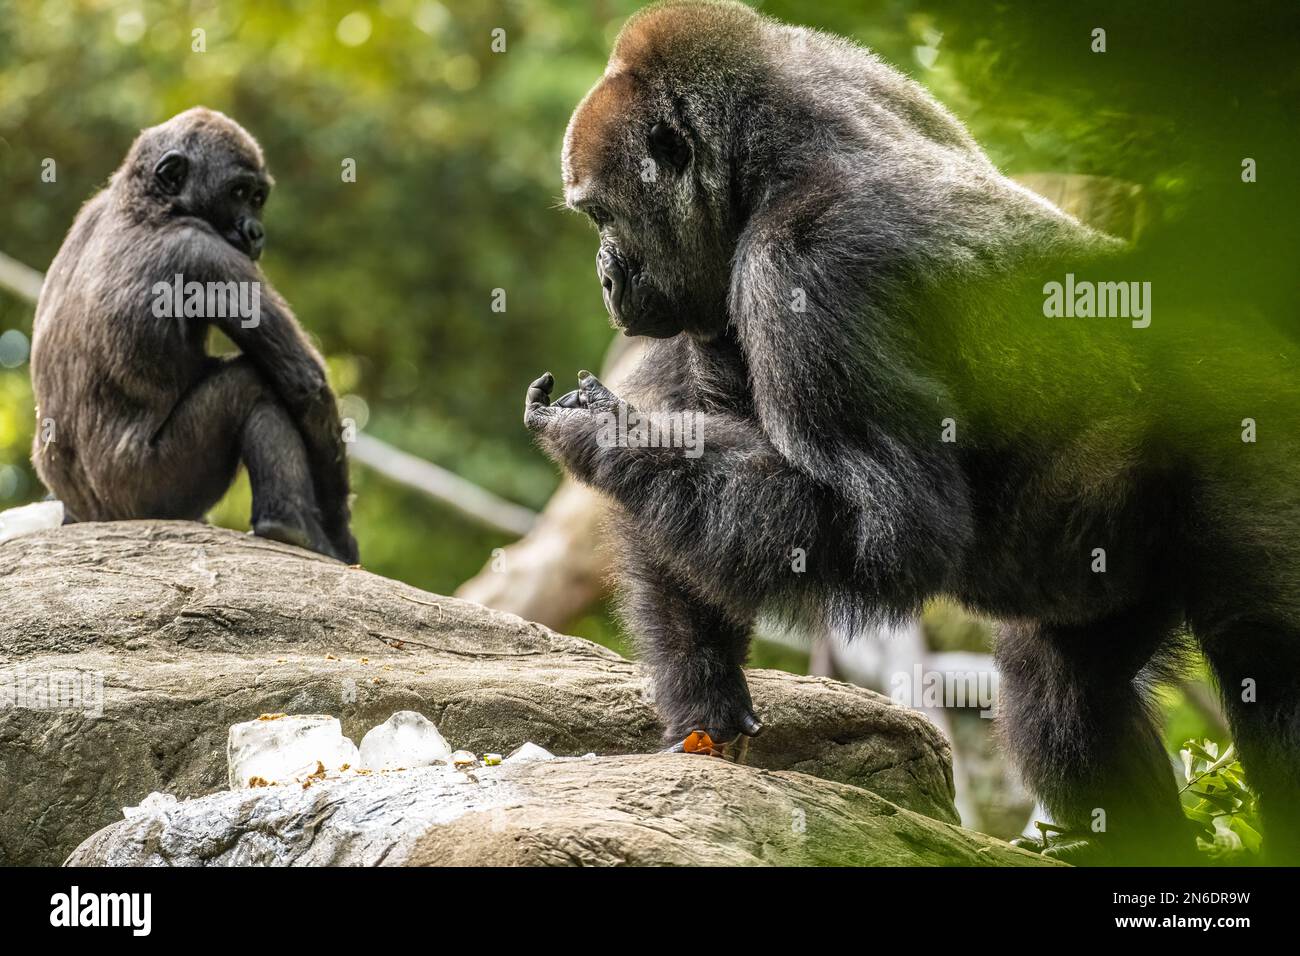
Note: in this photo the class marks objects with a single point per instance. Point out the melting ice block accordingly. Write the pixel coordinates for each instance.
(529, 752)
(33, 517)
(156, 804)
(279, 749)
(404, 741)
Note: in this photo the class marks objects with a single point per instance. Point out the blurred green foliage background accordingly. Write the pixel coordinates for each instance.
(457, 153)
(457, 158)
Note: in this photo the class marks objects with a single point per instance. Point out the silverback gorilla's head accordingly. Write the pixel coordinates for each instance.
(201, 164)
(649, 158)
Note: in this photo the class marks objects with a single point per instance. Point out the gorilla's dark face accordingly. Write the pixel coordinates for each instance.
(635, 164)
(203, 164)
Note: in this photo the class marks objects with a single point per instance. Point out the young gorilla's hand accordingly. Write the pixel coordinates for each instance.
(568, 428)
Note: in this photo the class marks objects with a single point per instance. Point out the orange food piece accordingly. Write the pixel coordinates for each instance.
(697, 741)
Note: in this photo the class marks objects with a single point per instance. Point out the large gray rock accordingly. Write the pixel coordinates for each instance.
(192, 629)
(637, 810)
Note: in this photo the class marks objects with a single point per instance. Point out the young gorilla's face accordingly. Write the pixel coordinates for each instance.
(204, 165)
(631, 163)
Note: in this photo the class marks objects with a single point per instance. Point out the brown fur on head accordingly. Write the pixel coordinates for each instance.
(202, 164)
(647, 155)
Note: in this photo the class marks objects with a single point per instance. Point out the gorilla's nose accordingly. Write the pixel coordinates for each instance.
(254, 235)
(613, 278)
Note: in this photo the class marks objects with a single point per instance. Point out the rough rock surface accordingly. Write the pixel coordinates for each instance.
(195, 628)
(633, 810)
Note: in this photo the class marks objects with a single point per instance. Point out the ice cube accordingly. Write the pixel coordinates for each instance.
(156, 804)
(33, 517)
(404, 741)
(529, 752)
(279, 749)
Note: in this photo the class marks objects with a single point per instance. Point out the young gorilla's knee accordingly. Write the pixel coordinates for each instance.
(284, 497)
(189, 463)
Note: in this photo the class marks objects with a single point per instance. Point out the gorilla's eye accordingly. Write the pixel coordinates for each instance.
(599, 214)
(259, 199)
(171, 171)
(239, 192)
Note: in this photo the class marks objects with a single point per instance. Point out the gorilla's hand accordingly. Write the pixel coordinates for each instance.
(576, 428)
(590, 394)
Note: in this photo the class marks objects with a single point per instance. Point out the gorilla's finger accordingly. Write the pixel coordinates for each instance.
(569, 400)
(538, 415)
(594, 392)
(540, 389)
(537, 408)
(751, 725)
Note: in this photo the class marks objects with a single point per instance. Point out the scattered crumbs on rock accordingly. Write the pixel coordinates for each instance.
(311, 778)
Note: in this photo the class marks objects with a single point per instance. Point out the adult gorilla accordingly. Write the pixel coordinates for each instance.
(850, 298)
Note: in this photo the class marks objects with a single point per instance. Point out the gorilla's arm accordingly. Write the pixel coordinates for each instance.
(732, 515)
(833, 462)
(731, 519)
(292, 368)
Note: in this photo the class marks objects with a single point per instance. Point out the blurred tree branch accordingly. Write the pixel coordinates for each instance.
(22, 280)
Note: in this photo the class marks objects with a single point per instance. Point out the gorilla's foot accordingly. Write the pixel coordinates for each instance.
(306, 534)
(715, 742)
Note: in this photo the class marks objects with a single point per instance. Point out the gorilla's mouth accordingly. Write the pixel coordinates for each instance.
(245, 245)
(632, 301)
(614, 274)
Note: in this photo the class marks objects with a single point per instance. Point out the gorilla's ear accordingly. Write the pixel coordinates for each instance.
(171, 171)
(669, 147)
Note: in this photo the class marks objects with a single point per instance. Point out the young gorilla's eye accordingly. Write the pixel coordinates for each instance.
(239, 192)
(259, 199)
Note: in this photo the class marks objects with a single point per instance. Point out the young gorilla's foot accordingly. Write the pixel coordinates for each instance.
(301, 532)
(344, 546)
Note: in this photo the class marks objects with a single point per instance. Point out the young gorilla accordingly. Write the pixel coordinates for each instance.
(836, 276)
(146, 424)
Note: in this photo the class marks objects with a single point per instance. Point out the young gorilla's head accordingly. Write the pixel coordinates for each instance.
(648, 156)
(202, 164)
